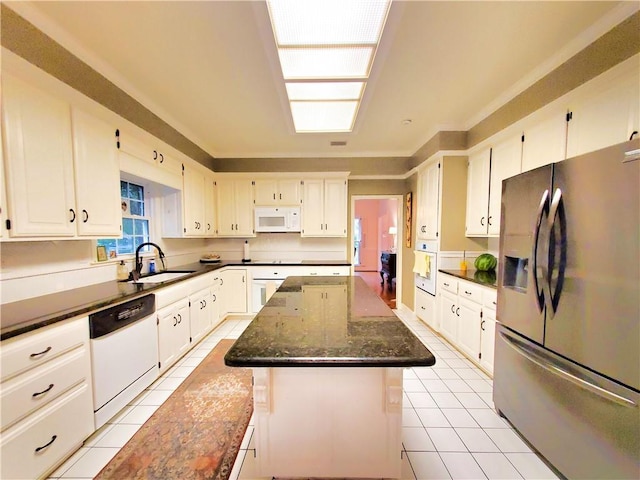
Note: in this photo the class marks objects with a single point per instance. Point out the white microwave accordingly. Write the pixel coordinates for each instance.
(277, 219)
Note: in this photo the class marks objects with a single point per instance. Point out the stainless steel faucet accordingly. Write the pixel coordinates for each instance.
(136, 271)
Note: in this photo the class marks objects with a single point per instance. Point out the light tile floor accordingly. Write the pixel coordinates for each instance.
(450, 429)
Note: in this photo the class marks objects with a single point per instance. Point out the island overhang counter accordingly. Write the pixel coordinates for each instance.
(327, 356)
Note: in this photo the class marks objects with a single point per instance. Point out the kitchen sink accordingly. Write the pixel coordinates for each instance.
(161, 277)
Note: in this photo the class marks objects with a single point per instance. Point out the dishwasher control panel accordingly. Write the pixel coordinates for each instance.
(119, 316)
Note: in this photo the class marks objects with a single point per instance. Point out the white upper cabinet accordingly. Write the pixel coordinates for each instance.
(38, 161)
(478, 193)
(274, 192)
(149, 160)
(210, 215)
(235, 207)
(97, 176)
(193, 193)
(609, 114)
(487, 169)
(428, 202)
(545, 141)
(61, 181)
(324, 208)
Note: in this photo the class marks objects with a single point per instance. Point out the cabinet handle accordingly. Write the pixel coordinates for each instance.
(458, 311)
(73, 219)
(242, 278)
(208, 226)
(53, 439)
(205, 304)
(46, 350)
(494, 303)
(482, 325)
(221, 282)
(280, 196)
(236, 227)
(214, 297)
(453, 309)
(274, 196)
(490, 217)
(179, 318)
(467, 292)
(482, 221)
(446, 284)
(86, 216)
(155, 154)
(423, 308)
(161, 158)
(175, 321)
(37, 394)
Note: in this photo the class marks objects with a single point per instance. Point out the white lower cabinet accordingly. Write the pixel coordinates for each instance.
(173, 333)
(200, 314)
(46, 398)
(425, 308)
(467, 318)
(234, 291)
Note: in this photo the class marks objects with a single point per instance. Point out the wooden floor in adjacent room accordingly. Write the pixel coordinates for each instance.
(372, 279)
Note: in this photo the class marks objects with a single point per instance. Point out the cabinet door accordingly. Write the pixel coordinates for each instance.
(545, 142)
(335, 208)
(505, 162)
(468, 314)
(210, 225)
(200, 314)
(183, 328)
(289, 192)
(487, 339)
(448, 317)
(604, 118)
(97, 177)
(225, 209)
(234, 291)
(243, 199)
(431, 201)
(426, 308)
(478, 193)
(193, 195)
(313, 208)
(216, 313)
(266, 192)
(38, 161)
(167, 323)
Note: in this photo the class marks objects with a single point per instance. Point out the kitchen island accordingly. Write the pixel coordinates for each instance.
(327, 357)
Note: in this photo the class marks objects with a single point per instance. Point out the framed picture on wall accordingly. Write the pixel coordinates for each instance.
(407, 225)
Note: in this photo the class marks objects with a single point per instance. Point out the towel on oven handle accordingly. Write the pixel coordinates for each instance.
(422, 264)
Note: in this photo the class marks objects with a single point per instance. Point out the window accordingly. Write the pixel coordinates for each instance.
(135, 222)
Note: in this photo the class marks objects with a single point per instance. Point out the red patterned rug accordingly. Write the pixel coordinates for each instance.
(197, 432)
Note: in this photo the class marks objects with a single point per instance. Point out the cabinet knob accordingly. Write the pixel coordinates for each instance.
(155, 155)
(482, 221)
(179, 318)
(482, 325)
(458, 311)
(73, 213)
(490, 217)
(175, 321)
(161, 158)
(86, 216)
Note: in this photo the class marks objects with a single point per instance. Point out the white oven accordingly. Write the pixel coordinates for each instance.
(427, 258)
(264, 283)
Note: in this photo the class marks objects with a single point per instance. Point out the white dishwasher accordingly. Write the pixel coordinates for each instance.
(124, 354)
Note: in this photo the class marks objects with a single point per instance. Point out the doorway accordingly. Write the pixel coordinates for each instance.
(376, 229)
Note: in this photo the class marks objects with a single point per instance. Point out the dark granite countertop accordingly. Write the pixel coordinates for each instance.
(27, 315)
(486, 279)
(327, 322)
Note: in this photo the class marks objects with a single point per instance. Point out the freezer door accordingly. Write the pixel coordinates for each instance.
(593, 300)
(585, 425)
(525, 206)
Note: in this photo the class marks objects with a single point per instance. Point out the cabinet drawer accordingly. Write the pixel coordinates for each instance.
(30, 350)
(470, 291)
(490, 298)
(63, 425)
(448, 283)
(33, 389)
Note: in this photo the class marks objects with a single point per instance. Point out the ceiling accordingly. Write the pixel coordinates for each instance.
(210, 68)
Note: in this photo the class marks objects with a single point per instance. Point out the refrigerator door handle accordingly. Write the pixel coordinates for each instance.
(554, 369)
(557, 219)
(542, 209)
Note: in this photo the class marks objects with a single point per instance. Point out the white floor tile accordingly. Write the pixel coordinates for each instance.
(415, 439)
(446, 400)
(488, 418)
(507, 440)
(435, 385)
(459, 363)
(421, 400)
(97, 435)
(406, 472)
(496, 466)
(480, 385)
(117, 436)
(180, 372)
(428, 466)
(448, 354)
(410, 418)
(425, 373)
(408, 373)
(487, 397)
(169, 383)
(462, 466)
(468, 373)
(90, 464)
(445, 373)
(470, 400)
(446, 440)
(237, 466)
(459, 417)
(69, 462)
(432, 417)
(413, 385)
(138, 415)
(191, 361)
(249, 468)
(155, 397)
(476, 440)
(457, 385)
(530, 466)
(247, 438)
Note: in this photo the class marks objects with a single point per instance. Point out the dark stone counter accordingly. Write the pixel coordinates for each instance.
(486, 279)
(327, 322)
(26, 315)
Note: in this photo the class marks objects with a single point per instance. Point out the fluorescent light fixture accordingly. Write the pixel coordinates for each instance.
(323, 116)
(326, 50)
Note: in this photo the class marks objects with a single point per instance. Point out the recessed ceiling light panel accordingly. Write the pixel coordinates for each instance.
(324, 116)
(324, 90)
(328, 62)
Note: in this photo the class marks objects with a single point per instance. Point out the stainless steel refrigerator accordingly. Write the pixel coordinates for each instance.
(567, 360)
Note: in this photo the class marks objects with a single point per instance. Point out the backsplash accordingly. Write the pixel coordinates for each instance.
(31, 269)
